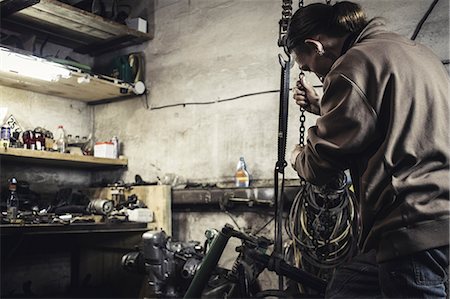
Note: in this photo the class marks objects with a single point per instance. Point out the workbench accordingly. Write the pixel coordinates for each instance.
(76, 260)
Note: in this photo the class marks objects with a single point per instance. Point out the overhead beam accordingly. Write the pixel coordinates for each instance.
(8, 7)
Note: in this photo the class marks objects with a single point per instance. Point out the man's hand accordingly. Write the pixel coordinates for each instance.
(294, 154)
(306, 97)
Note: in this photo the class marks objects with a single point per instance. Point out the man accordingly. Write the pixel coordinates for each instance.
(383, 115)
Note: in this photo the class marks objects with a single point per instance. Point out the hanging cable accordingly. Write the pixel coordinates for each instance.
(424, 18)
(324, 227)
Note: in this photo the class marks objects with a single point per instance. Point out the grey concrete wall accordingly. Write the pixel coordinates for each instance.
(37, 110)
(205, 51)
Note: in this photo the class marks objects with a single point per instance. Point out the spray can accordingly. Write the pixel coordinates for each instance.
(12, 203)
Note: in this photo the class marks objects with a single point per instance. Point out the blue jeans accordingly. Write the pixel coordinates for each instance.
(420, 275)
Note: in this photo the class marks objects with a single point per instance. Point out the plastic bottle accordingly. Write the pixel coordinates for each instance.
(61, 142)
(5, 135)
(12, 203)
(242, 177)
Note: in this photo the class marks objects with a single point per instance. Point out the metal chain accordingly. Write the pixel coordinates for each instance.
(302, 128)
(286, 14)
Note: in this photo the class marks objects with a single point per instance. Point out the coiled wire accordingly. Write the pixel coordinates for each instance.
(323, 225)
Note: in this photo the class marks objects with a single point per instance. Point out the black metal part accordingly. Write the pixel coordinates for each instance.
(9, 7)
(231, 198)
(280, 267)
(281, 163)
(283, 112)
(111, 100)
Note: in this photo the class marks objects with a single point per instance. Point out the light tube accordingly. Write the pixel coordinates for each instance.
(31, 66)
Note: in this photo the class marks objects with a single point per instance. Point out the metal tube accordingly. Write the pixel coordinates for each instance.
(207, 266)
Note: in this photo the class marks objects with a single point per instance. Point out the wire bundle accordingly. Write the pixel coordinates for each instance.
(323, 224)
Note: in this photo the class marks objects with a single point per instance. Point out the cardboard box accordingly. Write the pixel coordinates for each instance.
(138, 24)
(104, 150)
(140, 215)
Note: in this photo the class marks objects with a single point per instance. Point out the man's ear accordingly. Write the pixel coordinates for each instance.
(317, 45)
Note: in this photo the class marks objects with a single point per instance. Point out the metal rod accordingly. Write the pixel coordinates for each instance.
(208, 265)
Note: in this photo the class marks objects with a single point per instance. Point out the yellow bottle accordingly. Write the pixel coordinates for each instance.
(242, 177)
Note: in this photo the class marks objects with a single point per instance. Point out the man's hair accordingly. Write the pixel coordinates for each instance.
(319, 18)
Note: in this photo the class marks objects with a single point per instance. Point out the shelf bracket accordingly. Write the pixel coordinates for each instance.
(8, 7)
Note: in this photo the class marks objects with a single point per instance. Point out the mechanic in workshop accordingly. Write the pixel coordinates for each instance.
(384, 115)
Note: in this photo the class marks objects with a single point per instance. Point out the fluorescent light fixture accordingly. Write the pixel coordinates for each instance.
(31, 66)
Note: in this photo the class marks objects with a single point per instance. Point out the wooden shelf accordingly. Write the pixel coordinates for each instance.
(84, 32)
(66, 25)
(58, 159)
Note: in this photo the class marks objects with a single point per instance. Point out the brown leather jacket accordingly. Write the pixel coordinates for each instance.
(385, 116)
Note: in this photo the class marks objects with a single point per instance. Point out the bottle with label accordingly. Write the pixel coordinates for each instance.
(5, 135)
(242, 177)
(12, 203)
(61, 142)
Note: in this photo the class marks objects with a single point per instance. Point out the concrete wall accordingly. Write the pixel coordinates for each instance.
(33, 110)
(205, 51)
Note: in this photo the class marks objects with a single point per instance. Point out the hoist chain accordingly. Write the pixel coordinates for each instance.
(302, 128)
(286, 14)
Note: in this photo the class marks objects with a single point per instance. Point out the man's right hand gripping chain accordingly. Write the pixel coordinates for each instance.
(306, 97)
